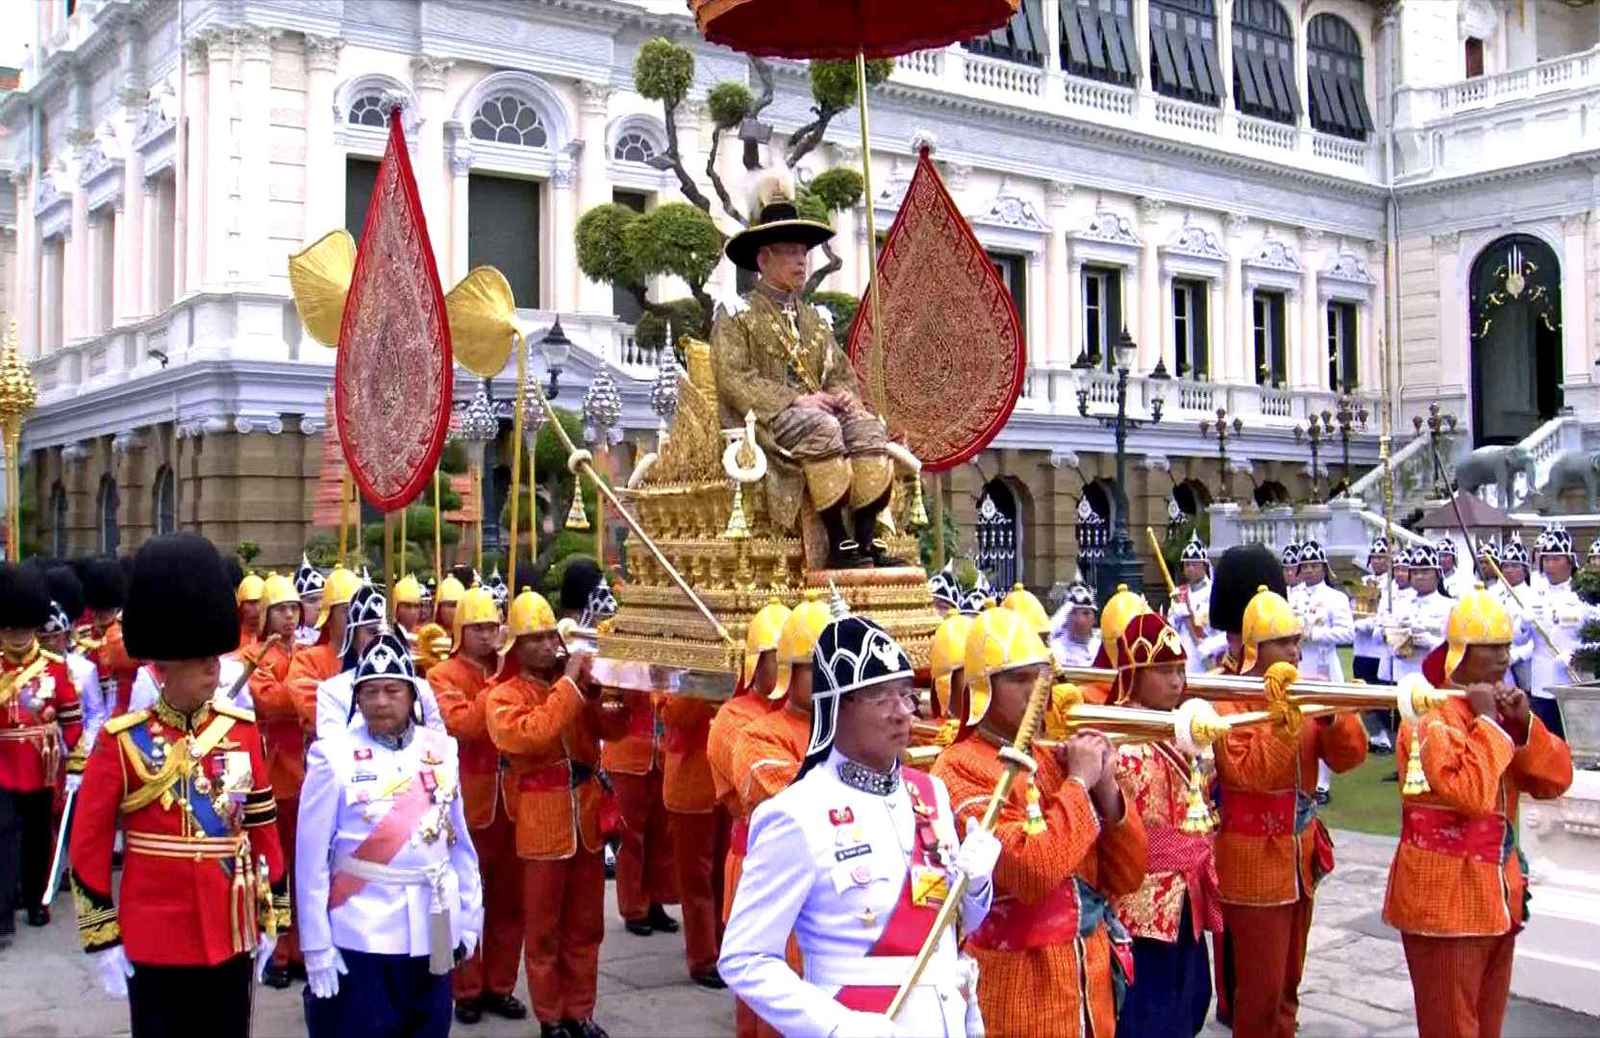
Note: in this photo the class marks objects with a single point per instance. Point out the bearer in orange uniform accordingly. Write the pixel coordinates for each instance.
(284, 739)
(104, 587)
(1051, 954)
(203, 883)
(545, 716)
(248, 597)
(1457, 889)
(1119, 609)
(768, 757)
(1272, 850)
(41, 721)
(1170, 913)
(485, 982)
(313, 664)
(756, 697)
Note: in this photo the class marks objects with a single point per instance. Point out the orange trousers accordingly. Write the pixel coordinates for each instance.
(1270, 952)
(493, 967)
(745, 1021)
(645, 874)
(699, 842)
(288, 949)
(564, 904)
(1461, 984)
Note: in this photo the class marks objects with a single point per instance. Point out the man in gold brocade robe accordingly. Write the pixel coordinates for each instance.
(775, 355)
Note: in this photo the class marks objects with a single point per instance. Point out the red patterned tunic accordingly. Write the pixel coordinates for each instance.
(1156, 779)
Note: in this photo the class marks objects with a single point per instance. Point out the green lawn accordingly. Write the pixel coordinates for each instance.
(1363, 801)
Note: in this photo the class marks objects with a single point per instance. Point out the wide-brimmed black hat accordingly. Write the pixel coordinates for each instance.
(105, 585)
(24, 597)
(1240, 573)
(180, 605)
(777, 219)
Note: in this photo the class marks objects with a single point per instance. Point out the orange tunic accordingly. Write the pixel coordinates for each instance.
(460, 686)
(769, 756)
(686, 783)
(727, 728)
(1261, 859)
(310, 667)
(1456, 872)
(117, 668)
(1036, 872)
(279, 721)
(551, 736)
(637, 749)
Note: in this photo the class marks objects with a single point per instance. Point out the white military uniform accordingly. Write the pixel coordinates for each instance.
(1425, 617)
(1193, 600)
(1069, 652)
(334, 705)
(1392, 613)
(1560, 611)
(1458, 582)
(352, 783)
(96, 706)
(827, 862)
(1368, 640)
(1328, 625)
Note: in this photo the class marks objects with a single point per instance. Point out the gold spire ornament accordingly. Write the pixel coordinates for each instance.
(577, 518)
(1197, 820)
(18, 394)
(1416, 781)
(738, 527)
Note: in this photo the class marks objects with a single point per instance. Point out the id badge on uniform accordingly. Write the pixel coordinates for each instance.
(929, 886)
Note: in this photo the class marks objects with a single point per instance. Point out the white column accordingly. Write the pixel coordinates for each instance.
(1576, 368)
(76, 271)
(1216, 331)
(1050, 12)
(460, 166)
(132, 269)
(25, 278)
(1057, 348)
(252, 257)
(563, 267)
(324, 190)
(1149, 334)
(1449, 366)
(1313, 373)
(121, 288)
(1141, 34)
(1303, 123)
(1230, 117)
(220, 217)
(594, 186)
(150, 235)
(195, 172)
(428, 76)
(1234, 363)
(1072, 324)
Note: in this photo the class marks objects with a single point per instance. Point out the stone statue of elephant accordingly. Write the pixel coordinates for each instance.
(1572, 468)
(1495, 466)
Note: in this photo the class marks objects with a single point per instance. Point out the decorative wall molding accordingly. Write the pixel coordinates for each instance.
(244, 425)
(1194, 251)
(1108, 238)
(1347, 278)
(52, 210)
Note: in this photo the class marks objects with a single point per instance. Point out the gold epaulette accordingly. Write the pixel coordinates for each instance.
(122, 722)
(238, 713)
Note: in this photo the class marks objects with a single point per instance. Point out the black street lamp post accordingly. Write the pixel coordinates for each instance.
(1121, 565)
(1437, 424)
(1351, 418)
(1225, 431)
(1316, 430)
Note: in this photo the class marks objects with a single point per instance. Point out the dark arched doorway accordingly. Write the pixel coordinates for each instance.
(1094, 528)
(999, 535)
(1516, 339)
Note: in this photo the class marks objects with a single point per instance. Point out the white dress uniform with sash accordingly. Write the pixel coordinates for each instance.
(855, 863)
(1067, 650)
(1329, 623)
(1191, 608)
(335, 696)
(1561, 613)
(1423, 616)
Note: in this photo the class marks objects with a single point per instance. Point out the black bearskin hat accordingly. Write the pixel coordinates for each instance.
(1241, 571)
(105, 586)
(234, 570)
(578, 583)
(24, 597)
(180, 605)
(66, 590)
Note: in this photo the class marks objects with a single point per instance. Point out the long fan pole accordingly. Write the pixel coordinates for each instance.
(877, 366)
(438, 539)
(516, 460)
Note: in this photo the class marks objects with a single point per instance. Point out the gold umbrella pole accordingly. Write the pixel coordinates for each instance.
(438, 535)
(13, 436)
(475, 474)
(1012, 759)
(602, 460)
(938, 521)
(405, 543)
(516, 460)
(390, 521)
(344, 516)
(879, 401)
(581, 461)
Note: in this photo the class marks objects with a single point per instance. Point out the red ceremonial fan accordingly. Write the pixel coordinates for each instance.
(953, 353)
(393, 376)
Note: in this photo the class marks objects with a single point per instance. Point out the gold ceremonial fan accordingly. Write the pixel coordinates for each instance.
(481, 309)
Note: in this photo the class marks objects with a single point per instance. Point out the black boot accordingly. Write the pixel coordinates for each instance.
(843, 551)
(873, 551)
(660, 921)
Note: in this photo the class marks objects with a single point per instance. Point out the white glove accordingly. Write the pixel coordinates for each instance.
(112, 969)
(977, 855)
(469, 941)
(73, 782)
(865, 1025)
(322, 972)
(264, 947)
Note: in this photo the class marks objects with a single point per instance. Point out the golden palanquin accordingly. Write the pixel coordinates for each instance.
(720, 537)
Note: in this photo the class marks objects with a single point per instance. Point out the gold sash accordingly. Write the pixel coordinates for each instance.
(156, 784)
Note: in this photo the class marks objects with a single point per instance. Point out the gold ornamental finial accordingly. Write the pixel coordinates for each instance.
(18, 392)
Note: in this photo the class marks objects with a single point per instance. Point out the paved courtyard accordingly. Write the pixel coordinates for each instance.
(1355, 981)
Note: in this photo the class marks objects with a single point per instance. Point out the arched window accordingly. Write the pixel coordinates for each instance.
(1333, 59)
(634, 146)
(367, 110)
(58, 521)
(166, 501)
(1263, 61)
(1183, 50)
(509, 119)
(109, 502)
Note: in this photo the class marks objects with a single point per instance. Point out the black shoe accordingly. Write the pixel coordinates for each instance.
(639, 927)
(508, 1006)
(1391, 777)
(547, 1030)
(297, 971)
(275, 977)
(468, 1011)
(712, 980)
(609, 856)
(660, 921)
(38, 915)
(881, 557)
(584, 1029)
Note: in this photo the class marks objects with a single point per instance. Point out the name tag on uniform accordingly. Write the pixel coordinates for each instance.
(846, 853)
(929, 886)
(363, 776)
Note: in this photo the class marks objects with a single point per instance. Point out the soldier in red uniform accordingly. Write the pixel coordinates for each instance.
(41, 721)
(203, 883)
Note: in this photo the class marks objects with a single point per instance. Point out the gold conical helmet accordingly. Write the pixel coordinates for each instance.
(1478, 619)
(1119, 611)
(799, 637)
(477, 606)
(408, 591)
(948, 654)
(766, 627)
(340, 588)
(249, 589)
(1027, 605)
(999, 640)
(1267, 618)
(530, 613)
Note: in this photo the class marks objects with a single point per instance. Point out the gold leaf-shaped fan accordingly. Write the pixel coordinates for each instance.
(482, 313)
(319, 277)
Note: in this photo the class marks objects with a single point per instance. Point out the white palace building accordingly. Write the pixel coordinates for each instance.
(1275, 199)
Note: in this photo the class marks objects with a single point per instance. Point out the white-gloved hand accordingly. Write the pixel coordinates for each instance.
(112, 969)
(322, 972)
(865, 1025)
(73, 782)
(979, 852)
(967, 974)
(469, 941)
(264, 947)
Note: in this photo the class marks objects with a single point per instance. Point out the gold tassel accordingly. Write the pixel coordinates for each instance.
(1034, 825)
(738, 528)
(918, 519)
(1416, 782)
(577, 518)
(1197, 817)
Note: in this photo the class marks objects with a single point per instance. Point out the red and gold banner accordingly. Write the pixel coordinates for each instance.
(953, 351)
(393, 378)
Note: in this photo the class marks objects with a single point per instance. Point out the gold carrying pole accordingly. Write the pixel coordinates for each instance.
(579, 461)
(602, 459)
(476, 476)
(13, 442)
(938, 521)
(390, 521)
(876, 371)
(1161, 562)
(516, 459)
(344, 516)
(1012, 759)
(1244, 688)
(405, 543)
